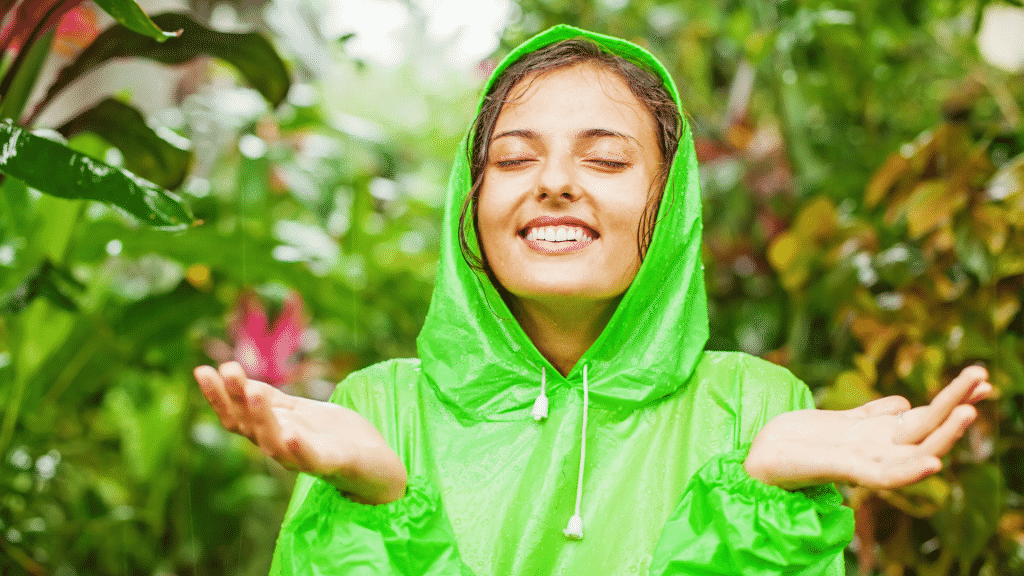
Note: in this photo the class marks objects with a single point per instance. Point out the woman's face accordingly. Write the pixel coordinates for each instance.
(572, 160)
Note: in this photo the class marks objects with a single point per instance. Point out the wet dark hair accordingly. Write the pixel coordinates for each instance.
(643, 83)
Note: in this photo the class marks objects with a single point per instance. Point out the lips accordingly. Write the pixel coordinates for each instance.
(560, 228)
(558, 235)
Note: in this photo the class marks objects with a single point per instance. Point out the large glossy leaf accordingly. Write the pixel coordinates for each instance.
(251, 53)
(128, 14)
(55, 169)
(146, 154)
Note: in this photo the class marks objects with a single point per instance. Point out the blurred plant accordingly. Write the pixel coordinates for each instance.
(107, 457)
(929, 279)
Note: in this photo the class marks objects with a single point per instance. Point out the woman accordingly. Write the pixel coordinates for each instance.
(562, 382)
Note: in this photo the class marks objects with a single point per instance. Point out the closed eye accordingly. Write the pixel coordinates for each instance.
(611, 164)
(513, 163)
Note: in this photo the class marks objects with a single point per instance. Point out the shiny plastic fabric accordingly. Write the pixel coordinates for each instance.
(664, 490)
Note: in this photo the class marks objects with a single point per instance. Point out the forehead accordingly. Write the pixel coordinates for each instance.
(580, 96)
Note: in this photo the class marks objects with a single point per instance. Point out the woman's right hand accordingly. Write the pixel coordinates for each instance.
(319, 438)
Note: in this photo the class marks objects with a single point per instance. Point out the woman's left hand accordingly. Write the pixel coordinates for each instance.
(883, 444)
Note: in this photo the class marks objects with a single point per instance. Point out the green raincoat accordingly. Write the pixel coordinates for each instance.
(668, 426)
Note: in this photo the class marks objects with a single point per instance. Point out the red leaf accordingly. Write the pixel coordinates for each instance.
(30, 13)
(266, 352)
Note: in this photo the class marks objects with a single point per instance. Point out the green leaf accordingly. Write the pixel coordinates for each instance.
(19, 86)
(43, 280)
(55, 169)
(128, 14)
(146, 154)
(251, 53)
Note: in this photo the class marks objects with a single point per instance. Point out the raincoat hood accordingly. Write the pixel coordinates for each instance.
(483, 365)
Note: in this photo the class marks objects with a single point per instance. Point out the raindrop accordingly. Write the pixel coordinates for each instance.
(114, 157)
(114, 247)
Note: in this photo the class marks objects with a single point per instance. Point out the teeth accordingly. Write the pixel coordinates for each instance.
(558, 234)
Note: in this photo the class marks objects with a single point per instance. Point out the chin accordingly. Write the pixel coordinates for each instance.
(566, 288)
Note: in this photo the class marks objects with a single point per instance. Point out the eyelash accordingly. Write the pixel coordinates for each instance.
(614, 164)
(511, 163)
(611, 163)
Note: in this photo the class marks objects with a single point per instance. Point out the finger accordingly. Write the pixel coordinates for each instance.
(881, 406)
(982, 391)
(941, 441)
(928, 418)
(212, 387)
(234, 380)
(263, 424)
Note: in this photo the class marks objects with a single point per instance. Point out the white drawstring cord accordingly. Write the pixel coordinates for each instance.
(540, 405)
(575, 528)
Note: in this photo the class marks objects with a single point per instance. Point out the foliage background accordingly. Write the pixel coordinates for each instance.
(864, 226)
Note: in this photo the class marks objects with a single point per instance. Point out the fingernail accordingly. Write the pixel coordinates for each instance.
(980, 364)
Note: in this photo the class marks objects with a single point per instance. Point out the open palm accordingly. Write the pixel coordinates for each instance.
(319, 438)
(883, 444)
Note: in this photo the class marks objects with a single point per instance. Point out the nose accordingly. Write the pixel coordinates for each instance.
(555, 180)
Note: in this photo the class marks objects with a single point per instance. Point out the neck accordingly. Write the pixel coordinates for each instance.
(562, 332)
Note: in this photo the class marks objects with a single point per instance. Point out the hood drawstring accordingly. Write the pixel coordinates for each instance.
(540, 405)
(575, 528)
(539, 412)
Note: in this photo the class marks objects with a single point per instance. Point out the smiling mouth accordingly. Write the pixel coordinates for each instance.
(558, 239)
(558, 234)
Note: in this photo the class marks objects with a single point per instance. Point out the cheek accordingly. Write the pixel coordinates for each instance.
(491, 215)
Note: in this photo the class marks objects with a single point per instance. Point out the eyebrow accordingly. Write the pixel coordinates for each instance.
(588, 134)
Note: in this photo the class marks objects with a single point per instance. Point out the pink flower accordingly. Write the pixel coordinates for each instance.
(267, 353)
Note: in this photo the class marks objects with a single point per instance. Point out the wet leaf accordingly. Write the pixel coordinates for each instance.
(250, 53)
(146, 154)
(55, 169)
(130, 15)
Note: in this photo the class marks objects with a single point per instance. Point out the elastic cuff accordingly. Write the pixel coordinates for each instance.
(727, 471)
(420, 499)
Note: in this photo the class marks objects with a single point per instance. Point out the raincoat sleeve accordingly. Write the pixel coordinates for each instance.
(729, 523)
(326, 534)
